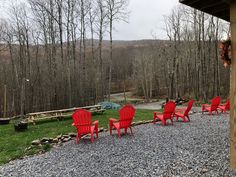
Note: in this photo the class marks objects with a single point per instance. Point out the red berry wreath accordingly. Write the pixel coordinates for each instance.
(225, 52)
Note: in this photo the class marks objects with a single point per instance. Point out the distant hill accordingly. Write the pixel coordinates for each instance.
(123, 43)
(4, 51)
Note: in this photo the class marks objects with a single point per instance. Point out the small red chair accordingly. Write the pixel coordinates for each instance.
(168, 112)
(83, 123)
(213, 107)
(183, 112)
(224, 107)
(126, 116)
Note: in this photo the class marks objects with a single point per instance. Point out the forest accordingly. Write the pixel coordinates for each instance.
(54, 55)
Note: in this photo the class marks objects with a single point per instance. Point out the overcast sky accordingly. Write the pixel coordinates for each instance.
(146, 19)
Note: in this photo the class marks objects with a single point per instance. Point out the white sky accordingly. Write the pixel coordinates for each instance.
(146, 19)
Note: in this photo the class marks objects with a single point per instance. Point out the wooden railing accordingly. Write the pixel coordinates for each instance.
(59, 114)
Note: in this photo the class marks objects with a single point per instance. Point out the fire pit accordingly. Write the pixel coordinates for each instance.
(4, 121)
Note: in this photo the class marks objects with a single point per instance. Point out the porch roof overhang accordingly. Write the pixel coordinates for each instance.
(218, 8)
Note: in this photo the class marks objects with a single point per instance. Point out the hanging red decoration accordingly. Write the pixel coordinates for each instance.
(225, 52)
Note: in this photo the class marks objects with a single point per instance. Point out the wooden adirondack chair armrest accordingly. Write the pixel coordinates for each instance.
(158, 113)
(113, 120)
(95, 122)
(206, 105)
(180, 109)
(224, 104)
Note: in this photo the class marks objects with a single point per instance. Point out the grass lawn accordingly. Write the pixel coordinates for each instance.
(13, 144)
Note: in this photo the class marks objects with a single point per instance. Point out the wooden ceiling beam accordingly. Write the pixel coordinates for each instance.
(219, 8)
(214, 5)
(227, 1)
(223, 14)
(216, 9)
(189, 2)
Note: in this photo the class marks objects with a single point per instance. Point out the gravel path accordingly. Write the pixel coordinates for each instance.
(158, 105)
(198, 148)
(150, 106)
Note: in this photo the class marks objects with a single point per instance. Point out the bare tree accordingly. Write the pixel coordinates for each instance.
(117, 11)
(102, 24)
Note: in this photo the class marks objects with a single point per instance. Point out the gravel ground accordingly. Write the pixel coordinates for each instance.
(198, 148)
(150, 106)
(158, 105)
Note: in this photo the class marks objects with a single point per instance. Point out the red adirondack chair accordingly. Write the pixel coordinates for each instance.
(213, 107)
(126, 116)
(224, 107)
(183, 112)
(83, 123)
(167, 113)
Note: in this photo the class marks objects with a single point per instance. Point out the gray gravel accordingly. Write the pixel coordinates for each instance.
(198, 148)
(158, 105)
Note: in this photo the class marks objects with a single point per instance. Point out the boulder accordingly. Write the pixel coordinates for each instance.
(36, 142)
(59, 136)
(72, 134)
(139, 122)
(55, 141)
(45, 142)
(50, 140)
(45, 139)
(101, 129)
(66, 139)
(148, 121)
(65, 136)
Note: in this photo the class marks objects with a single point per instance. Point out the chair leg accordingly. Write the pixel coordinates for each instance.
(163, 122)
(154, 117)
(111, 126)
(77, 138)
(131, 131)
(172, 122)
(92, 137)
(97, 133)
(188, 118)
(118, 132)
(110, 131)
(96, 129)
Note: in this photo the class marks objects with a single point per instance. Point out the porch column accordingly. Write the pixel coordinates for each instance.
(233, 87)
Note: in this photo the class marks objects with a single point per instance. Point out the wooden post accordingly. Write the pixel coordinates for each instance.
(233, 87)
(5, 101)
(22, 98)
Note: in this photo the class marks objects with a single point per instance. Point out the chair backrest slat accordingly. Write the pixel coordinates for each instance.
(169, 109)
(215, 103)
(190, 105)
(82, 120)
(126, 116)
